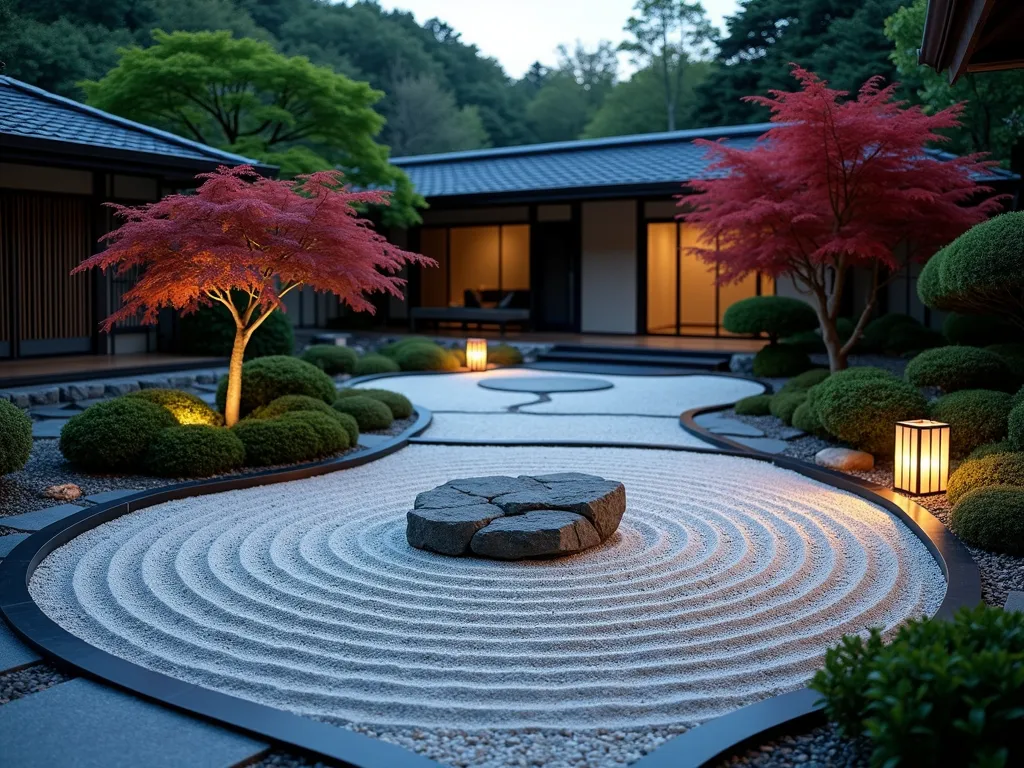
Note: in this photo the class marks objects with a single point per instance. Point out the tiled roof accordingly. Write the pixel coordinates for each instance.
(629, 162)
(30, 112)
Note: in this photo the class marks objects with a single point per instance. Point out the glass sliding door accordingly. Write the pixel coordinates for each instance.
(478, 259)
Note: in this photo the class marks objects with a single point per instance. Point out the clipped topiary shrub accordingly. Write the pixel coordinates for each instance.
(774, 316)
(501, 354)
(350, 425)
(425, 357)
(954, 368)
(184, 406)
(991, 518)
(975, 417)
(331, 435)
(458, 358)
(756, 405)
(194, 450)
(805, 417)
(805, 380)
(1013, 356)
(211, 331)
(369, 414)
(390, 350)
(977, 330)
(289, 403)
(941, 693)
(400, 405)
(876, 333)
(808, 341)
(784, 404)
(331, 359)
(269, 378)
(906, 339)
(15, 437)
(114, 436)
(1015, 425)
(861, 407)
(368, 365)
(995, 469)
(777, 361)
(269, 442)
(991, 449)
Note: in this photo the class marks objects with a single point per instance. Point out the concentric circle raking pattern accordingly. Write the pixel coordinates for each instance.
(725, 583)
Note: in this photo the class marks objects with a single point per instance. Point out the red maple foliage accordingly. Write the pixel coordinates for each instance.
(835, 184)
(246, 233)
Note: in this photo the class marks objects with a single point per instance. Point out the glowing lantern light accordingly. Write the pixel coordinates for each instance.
(922, 457)
(476, 354)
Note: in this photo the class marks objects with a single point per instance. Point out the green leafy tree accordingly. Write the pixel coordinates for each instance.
(994, 111)
(666, 35)
(423, 118)
(572, 93)
(242, 96)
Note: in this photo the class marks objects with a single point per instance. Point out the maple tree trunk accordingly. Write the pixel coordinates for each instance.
(233, 400)
(829, 334)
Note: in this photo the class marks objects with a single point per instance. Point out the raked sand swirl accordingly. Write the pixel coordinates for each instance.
(725, 583)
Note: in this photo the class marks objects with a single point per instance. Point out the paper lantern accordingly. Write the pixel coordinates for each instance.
(922, 457)
(476, 354)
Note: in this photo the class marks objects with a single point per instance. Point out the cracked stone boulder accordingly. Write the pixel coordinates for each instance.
(511, 518)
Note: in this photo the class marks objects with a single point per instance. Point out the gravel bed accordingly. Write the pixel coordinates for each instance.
(398, 426)
(822, 746)
(23, 682)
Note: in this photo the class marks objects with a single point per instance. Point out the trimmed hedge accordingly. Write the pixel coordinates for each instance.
(1013, 356)
(995, 469)
(877, 332)
(331, 435)
(811, 341)
(991, 449)
(350, 425)
(1015, 425)
(954, 368)
(15, 437)
(269, 442)
(906, 339)
(861, 406)
(784, 404)
(211, 331)
(368, 365)
(500, 354)
(390, 350)
(114, 436)
(194, 450)
(293, 403)
(975, 417)
(184, 406)
(370, 414)
(400, 405)
(774, 316)
(991, 518)
(756, 405)
(777, 361)
(268, 378)
(941, 693)
(331, 359)
(805, 417)
(977, 330)
(425, 357)
(804, 381)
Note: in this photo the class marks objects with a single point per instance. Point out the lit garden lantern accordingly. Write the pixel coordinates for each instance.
(922, 456)
(476, 354)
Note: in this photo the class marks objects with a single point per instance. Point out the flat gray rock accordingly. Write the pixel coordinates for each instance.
(49, 428)
(601, 501)
(81, 723)
(844, 459)
(1015, 601)
(36, 521)
(444, 497)
(540, 533)
(496, 485)
(14, 654)
(448, 531)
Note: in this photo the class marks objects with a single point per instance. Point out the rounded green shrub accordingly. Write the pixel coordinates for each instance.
(15, 437)
(977, 330)
(808, 341)
(777, 361)
(995, 469)
(877, 332)
(368, 365)
(991, 449)
(774, 316)
(293, 403)
(975, 417)
(906, 339)
(940, 693)
(863, 408)
(331, 359)
(331, 435)
(502, 354)
(194, 450)
(390, 350)
(784, 404)
(954, 368)
(756, 405)
(458, 358)
(805, 417)
(114, 436)
(369, 414)
(425, 357)
(1018, 398)
(184, 406)
(268, 378)
(270, 442)
(211, 331)
(991, 518)
(1013, 356)
(804, 381)
(350, 425)
(400, 405)
(1015, 425)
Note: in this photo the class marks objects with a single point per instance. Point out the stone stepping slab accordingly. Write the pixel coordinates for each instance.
(55, 411)
(36, 521)
(1014, 601)
(48, 429)
(10, 541)
(84, 724)
(14, 654)
(764, 444)
(722, 425)
(105, 496)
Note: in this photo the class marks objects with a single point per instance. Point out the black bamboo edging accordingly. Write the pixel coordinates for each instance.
(304, 735)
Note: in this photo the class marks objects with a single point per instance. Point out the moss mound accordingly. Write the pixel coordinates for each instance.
(951, 369)
(778, 361)
(114, 436)
(784, 404)
(184, 406)
(331, 359)
(861, 407)
(400, 405)
(756, 405)
(269, 378)
(991, 518)
(194, 450)
(15, 437)
(975, 417)
(995, 469)
(370, 414)
(367, 365)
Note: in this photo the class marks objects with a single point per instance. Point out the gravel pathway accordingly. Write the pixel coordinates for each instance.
(821, 748)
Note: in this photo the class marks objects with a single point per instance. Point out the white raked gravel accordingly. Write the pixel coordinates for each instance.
(725, 583)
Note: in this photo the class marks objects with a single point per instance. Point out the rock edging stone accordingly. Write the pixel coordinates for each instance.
(512, 518)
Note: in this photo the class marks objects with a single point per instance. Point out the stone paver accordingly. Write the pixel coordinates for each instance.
(105, 496)
(10, 541)
(48, 429)
(1015, 601)
(84, 724)
(764, 444)
(55, 411)
(14, 654)
(36, 521)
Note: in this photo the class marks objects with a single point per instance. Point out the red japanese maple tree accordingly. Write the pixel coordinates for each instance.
(259, 237)
(835, 184)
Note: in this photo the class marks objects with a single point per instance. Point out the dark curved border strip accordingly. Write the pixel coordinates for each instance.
(266, 723)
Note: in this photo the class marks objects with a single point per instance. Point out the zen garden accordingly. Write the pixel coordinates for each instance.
(601, 539)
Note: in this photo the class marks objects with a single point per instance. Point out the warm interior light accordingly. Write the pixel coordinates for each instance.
(476, 354)
(922, 457)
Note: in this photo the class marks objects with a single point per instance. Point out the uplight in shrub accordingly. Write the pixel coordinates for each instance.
(476, 354)
(922, 457)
